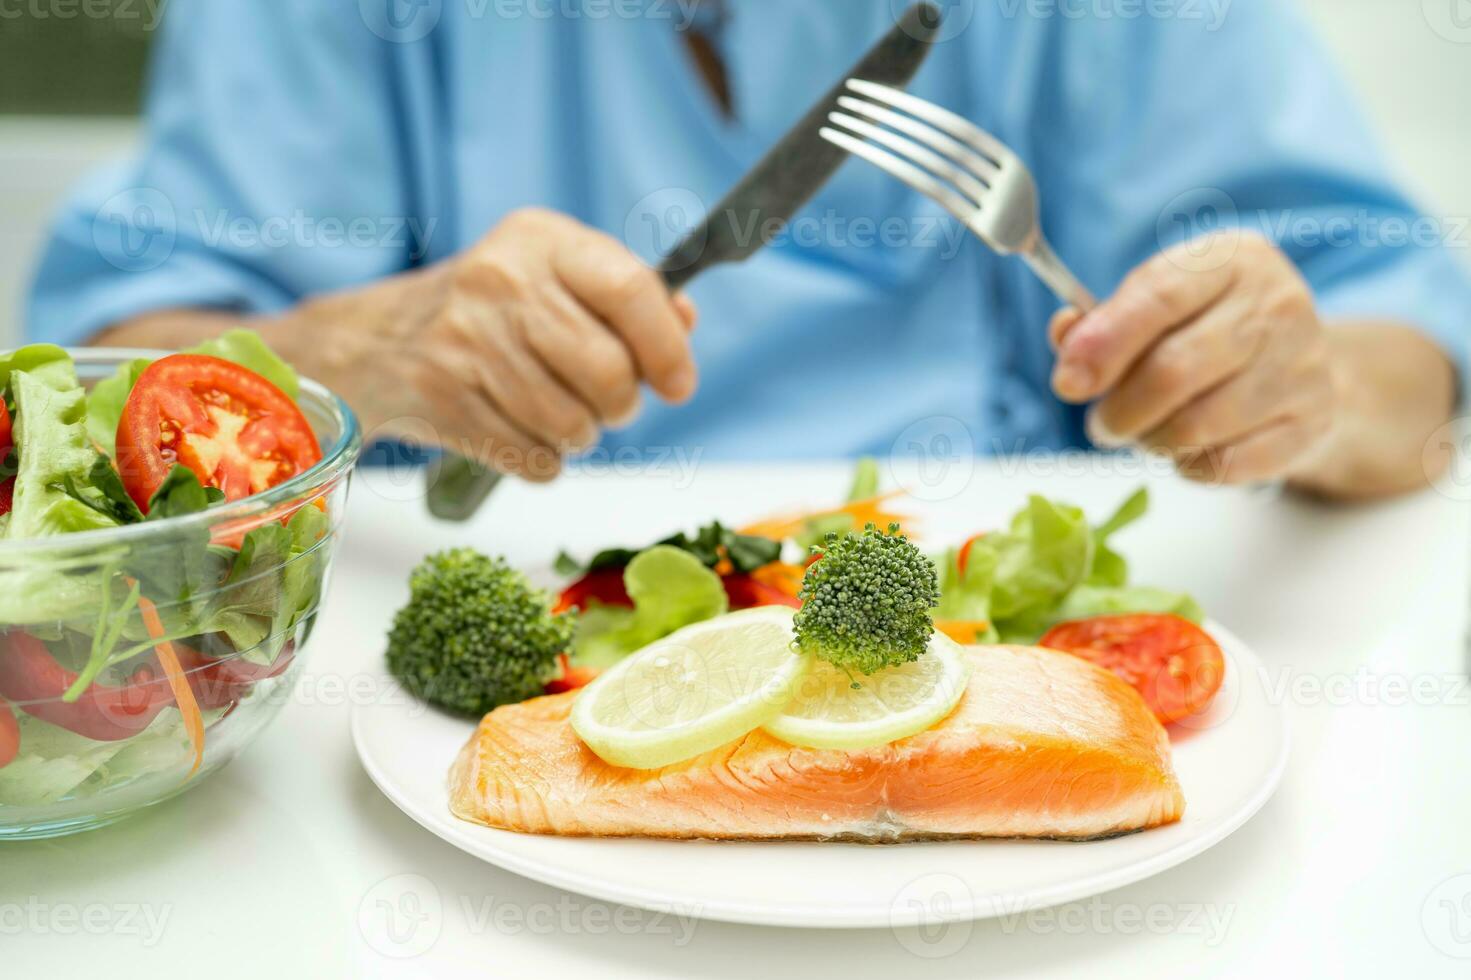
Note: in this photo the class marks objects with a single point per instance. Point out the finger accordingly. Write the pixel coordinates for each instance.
(631, 298)
(589, 360)
(520, 386)
(1268, 453)
(1191, 360)
(1062, 321)
(474, 427)
(688, 312)
(1232, 410)
(1158, 296)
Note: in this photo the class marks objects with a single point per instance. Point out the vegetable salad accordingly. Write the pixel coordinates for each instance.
(116, 659)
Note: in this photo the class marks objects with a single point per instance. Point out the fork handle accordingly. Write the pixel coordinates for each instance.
(1058, 277)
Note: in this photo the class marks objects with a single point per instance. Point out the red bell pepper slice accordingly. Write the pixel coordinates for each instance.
(572, 676)
(745, 592)
(9, 735)
(32, 679)
(7, 442)
(604, 584)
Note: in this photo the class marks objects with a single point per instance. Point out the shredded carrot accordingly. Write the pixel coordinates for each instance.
(870, 511)
(178, 683)
(963, 630)
(785, 577)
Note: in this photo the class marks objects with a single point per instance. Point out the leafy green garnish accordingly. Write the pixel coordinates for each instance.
(746, 552)
(180, 494)
(966, 595)
(105, 403)
(1048, 567)
(865, 483)
(51, 445)
(274, 583)
(670, 588)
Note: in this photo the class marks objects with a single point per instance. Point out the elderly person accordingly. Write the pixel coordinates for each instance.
(429, 206)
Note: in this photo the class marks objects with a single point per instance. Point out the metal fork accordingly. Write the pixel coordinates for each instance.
(971, 173)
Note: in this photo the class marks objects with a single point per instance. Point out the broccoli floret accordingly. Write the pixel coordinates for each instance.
(475, 634)
(866, 601)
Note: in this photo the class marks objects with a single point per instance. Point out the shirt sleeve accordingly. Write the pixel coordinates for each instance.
(1154, 130)
(268, 124)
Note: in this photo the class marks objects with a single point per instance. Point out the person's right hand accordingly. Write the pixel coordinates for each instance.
(515, 352)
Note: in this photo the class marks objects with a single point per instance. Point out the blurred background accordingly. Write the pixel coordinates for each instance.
(71, 78)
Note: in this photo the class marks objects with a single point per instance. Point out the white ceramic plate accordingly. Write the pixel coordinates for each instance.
(1229, 762)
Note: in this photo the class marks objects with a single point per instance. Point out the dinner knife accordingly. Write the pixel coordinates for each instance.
(773, 190)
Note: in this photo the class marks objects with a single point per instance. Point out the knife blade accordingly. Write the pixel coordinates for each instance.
(798, 166)
(769, 194)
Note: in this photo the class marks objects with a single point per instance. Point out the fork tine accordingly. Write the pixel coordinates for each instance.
(962, 129)
(919, 179)
(985, 170)
(914, 153)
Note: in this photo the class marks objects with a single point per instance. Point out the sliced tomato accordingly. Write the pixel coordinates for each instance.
(232, 427)
(9, 735)
(1173, 663)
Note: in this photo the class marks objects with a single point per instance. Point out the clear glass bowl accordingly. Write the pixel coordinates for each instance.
(236, 589)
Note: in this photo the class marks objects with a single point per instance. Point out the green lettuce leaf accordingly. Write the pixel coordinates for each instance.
(1091, 600)
(51, 447)
(669, 587)
(105, 403)
(865, 483)
(966, 595)
(1049, 567)
(54, 763)
(1047, 552)
(1109, 567)
(274, 583)
(54, 461)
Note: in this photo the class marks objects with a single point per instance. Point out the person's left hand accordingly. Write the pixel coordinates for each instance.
(1212, 352)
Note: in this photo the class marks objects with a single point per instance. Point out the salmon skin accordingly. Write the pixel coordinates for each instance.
(1042, 744)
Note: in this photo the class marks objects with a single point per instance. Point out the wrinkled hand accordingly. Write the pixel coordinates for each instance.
(1211, 352)
(522, 348)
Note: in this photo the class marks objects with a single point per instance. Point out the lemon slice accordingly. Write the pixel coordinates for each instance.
(694, 690)
(828, 712)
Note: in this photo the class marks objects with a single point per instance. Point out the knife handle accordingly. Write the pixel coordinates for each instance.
(676, 278)
(689, 258)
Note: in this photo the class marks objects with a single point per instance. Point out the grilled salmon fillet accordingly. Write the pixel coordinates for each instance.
(1042, 744)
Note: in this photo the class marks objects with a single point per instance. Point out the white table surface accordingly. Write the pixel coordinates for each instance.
(289, 863)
